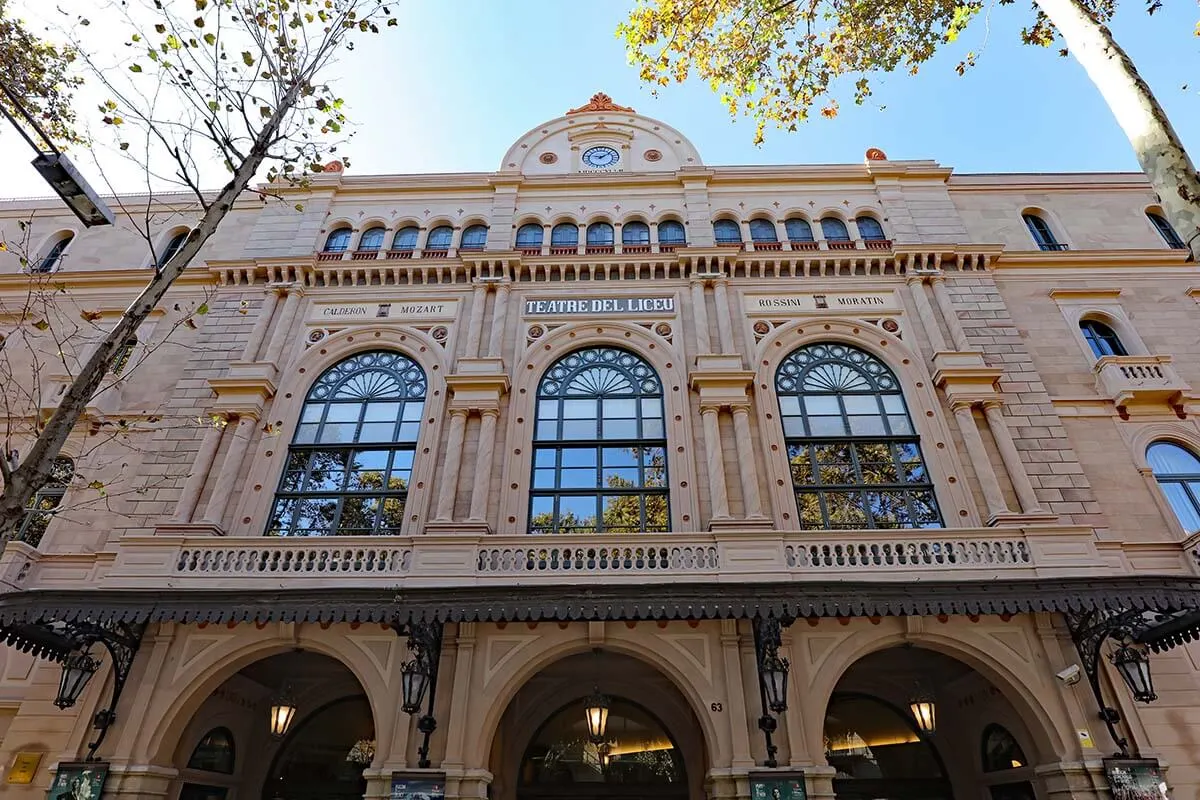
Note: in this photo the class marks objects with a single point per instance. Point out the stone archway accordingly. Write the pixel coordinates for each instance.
(654, 747)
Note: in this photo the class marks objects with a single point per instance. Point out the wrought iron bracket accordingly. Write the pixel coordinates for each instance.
(425, 643)
(768, 638)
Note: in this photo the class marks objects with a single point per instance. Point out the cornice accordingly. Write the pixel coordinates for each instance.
(1039, 260)
(133, 279)
(1043, 182)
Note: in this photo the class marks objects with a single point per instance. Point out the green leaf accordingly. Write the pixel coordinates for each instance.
(210, 39)
(160, 28)
(124, 145)
(247, 58)
(135, 68)
(202, 309)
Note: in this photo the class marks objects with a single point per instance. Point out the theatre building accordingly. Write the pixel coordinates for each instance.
(615, 474)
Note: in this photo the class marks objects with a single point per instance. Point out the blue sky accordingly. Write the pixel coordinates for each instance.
(450, 90)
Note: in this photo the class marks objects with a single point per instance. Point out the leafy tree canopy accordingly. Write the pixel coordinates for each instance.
(40, 75)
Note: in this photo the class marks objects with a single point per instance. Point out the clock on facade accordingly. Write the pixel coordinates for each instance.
(601, 157)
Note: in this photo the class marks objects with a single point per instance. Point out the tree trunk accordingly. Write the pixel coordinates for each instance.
(1157, 146)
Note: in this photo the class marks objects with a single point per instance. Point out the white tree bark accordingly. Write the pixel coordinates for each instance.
(1155, 143)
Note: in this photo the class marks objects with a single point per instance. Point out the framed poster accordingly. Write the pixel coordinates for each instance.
(787, 785)
(418, 786)
(79, 781)
(1135, 779)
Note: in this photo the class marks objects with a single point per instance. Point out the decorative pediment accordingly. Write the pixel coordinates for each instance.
(600, 102)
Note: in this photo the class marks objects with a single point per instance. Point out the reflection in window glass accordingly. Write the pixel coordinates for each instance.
(214, 753)
(46, 501)
(1102, 339)
(1178, 474)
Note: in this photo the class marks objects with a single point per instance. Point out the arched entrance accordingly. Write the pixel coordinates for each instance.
(228, 750)
(911, 724)
(651, 746)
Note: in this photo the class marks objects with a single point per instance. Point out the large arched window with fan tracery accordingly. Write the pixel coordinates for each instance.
(855, 456)
(600, 449)
(351, 458)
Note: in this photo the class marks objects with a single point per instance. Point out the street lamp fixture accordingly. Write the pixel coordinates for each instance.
(595, 709)
(283, 711)
(78, 668)
(774, 672)
(414, 682)
(1134, 666)
(924, 711)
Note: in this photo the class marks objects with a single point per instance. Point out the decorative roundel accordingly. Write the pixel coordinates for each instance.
(547, 158)
(662, 329)
(762, 328)
(601, 157)
(536, 331)
(317, 335)
(890, 325)
(439, 333)
(652, 155)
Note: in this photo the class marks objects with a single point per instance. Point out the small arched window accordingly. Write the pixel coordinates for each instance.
(564, 234)
(123, 354)
(372, 239)
(214, 753)
(727, 231)
(855, 457)
(1000, 750)
(799, 230)
(1166, 231)
(1102, 339)
(600, 448)
(173, 247)
(530, 236)
(1039, 229)
(834, 230)
(350, 460)
(635, 234)
(1178, 473)
(763, 230)
(338, 240)
(42, 506)
(869, 229)
(600, 234)
(406, 238)
(440, 238)
(672, 233)
(474, 237)
(49, 262)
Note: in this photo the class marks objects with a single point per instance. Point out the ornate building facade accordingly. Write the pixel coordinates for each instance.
(614, 474)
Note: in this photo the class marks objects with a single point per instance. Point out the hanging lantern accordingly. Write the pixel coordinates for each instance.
(77, 669)
(414, 682)
(1134, 666)
(595, 708)
(283, 711)
(924, 711)
(605, 755)
(773, 672)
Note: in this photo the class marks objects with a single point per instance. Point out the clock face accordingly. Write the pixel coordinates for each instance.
(601, 157)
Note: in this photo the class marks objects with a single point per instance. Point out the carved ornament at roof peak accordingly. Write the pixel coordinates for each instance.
(600, 102)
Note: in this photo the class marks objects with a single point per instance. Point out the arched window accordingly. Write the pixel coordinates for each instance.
(672, 233)
(600, 234)
(1042, 235)
(599, 455)
(854, 454)
(172, 248)
(1000, 751)
(635, 233)
(798, 230)
(835, 230)
(42, 506)
(440, 238)
(727, 231)
(474, 237)
(1166, 231)
(1178, 473)
(214, 753)
(123, 354)
(869, 229)
(338, 240)
(372, 239)
(763, 230)
(406, 238)
(351, 458)
(50, 261)
(564, 234)
(530, 236)
(1102, 339)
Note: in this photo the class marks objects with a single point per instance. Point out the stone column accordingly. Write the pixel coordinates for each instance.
(855, 235)
(259, 332)
(201, 467)
(715, 462)
(916, 286)
(231, 470)
(942, 295)
(482, 486)
(1012, 458)
(581, 245)
(460, 694)
(782, 235)
(283, 328)
(700, 310)
(422, 239)
(724, 327)
(546, 239)
(730, 648)
(747, 239)
(979, 458)
(746, 469)
(617, 234)
(449, 482)
(475, 326)
(499, 318)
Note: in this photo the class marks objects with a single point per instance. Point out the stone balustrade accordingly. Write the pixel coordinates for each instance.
(1139, 381)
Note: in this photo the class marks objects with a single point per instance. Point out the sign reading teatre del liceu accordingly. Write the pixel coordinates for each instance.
(820, 302)
(587, 306)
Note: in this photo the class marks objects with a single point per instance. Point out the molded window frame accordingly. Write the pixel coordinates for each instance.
(531, 242)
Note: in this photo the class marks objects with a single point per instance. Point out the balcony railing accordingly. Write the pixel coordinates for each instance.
(635, 248)
(564, 250)
(364, 255)
(600, 249)
(437, 253)
(330, 255)
(1053, 246)
(841, 244)
(805, 244)
(531, 251)
(1131, 381)
(768, 245)
(394, 254)
(878, 244)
